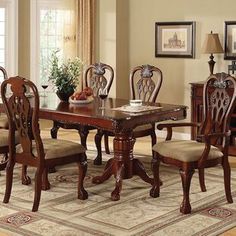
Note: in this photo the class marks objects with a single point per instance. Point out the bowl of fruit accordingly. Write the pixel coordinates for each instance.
(82, 97)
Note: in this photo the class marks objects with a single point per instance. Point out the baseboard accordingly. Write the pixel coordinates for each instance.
(175, 135)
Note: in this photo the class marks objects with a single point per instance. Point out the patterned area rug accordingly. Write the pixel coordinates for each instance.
(62, 214)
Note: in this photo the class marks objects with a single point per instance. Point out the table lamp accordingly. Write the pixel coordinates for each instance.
(212, 45)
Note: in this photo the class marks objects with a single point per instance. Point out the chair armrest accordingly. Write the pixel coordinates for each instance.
(207, 138)
(169, 127)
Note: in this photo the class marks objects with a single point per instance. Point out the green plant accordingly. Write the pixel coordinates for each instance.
(65, 75)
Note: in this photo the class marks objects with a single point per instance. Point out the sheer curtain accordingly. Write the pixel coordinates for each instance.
(86, 31)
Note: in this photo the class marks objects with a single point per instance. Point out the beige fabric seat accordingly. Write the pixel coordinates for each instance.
(4, 121)
(185, 150)
(4, 137)
(143, 127)
(56, 148)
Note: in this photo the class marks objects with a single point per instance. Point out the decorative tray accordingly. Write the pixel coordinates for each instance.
(88, 100)
(136, 109)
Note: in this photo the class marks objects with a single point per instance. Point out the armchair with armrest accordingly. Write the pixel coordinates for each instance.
(211, 147)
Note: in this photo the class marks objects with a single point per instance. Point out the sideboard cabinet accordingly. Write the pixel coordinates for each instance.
(197, 114)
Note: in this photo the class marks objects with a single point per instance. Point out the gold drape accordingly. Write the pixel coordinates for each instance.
(86, 31)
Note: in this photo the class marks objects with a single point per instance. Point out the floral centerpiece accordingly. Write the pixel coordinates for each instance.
(65, 75)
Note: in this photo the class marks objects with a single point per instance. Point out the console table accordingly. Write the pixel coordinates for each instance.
(197, 114)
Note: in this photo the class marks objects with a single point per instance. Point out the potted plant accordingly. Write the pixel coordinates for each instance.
(65, 75)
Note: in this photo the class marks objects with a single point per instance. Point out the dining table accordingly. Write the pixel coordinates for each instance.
(118, 117)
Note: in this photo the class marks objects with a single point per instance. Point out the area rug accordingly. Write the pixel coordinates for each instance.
(62, 214)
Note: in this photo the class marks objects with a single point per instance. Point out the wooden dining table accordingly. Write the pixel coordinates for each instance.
(123, 165)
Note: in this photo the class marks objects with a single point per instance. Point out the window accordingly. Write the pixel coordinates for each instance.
(8, 36)
(55, 30)
(2, 36)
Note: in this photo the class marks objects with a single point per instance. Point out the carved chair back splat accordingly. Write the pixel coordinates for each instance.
(99, 76)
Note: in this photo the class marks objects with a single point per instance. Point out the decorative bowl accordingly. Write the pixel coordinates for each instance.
(135, 102)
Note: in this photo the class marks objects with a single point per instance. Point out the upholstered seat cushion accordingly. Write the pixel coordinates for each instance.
(55, 148)
(143, 127)
(4, 137)
(3, 121)
(186, 151)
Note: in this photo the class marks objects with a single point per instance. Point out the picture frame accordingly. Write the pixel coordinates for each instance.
(175, 39)
(230, 40)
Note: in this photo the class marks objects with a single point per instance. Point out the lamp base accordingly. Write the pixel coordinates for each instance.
(211, 64)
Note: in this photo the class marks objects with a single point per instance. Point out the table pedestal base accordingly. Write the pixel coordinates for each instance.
(123, 165)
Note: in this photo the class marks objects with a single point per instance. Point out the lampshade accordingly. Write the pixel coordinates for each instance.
(212, 44)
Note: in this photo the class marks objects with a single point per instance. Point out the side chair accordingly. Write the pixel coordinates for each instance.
(32, 150)
(211, 147)
(145, 83)
(97, 76)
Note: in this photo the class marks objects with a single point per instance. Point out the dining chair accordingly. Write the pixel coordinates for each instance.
(97, 76)
(145, 83)
(211, 147)
(32, 150)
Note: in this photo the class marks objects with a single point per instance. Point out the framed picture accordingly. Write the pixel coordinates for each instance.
(230, 40)
(175, 39)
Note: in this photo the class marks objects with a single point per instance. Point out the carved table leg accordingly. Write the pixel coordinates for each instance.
(108, 171)
(98, 138)
(121, 165)
(54, 129)
(140, 171)
(83, 132)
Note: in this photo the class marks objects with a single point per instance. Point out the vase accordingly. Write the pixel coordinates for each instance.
(64, 96)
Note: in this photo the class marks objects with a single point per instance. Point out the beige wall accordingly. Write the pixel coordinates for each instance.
(113, 42)
(24, 39)
(178, 73)
(126, 33)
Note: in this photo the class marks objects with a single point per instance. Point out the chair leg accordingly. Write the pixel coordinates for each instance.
(54, 129)
(82, 193)
(9, 179)
(83, 133)
(45, 182)
(25, 179)
(202, 179)
(155, 191)
(38, 188)
(186, 176)
(4, 161)
(227, 179)
(106, 144)
(154, 140)
(98, 138)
